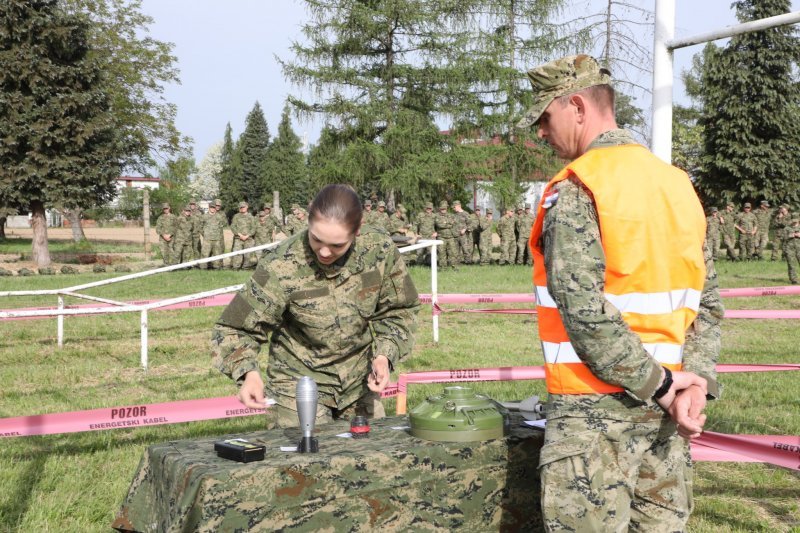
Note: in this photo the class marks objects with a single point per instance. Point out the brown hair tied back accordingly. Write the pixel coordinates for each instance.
(337, 202)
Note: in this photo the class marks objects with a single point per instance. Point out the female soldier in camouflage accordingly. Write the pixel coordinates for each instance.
(334, 304)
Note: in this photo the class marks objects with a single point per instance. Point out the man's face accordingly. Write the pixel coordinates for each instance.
(442, 210)
(165, 210)
(429, 210)
(558, 126)
(368, 207)
(243, 209)
(746, 209)
(457, 208)
(729, 208)
(212, 209)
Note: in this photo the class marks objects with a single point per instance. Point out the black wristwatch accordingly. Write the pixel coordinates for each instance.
(664, 388)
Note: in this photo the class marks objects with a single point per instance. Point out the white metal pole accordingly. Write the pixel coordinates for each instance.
(662, 80)
(144, 339)
(60, 322)
(434, 292)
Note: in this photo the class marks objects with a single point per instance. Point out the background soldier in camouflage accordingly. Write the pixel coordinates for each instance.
(335, 305)
(791, 249)
(764, 218)
(380, 218)
(444, 223)
(369, 214)
(214, 224)
(485, 240)
(713, 231)
(182, 251)
(399, 228)
(425, 230)
(243, 226)
(462, 233)
(296, 223)
(523, 225)
(508, 238)
(165, 227)
(612, 462)
(728, 226)
(747, 225)
(475, 233)
(197, 228)
(265, 227)
(779, 223)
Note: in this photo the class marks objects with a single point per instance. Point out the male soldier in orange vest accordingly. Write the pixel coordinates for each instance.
(629, 315)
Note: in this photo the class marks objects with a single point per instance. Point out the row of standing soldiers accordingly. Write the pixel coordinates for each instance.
(752, 231)
(465, 234)
(194, 234)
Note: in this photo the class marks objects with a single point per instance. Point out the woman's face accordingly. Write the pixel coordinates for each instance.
(329, 240)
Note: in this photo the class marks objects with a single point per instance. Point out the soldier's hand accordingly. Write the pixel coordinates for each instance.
(687, 411)
(379, 377)
(251, 393)
(681, 381)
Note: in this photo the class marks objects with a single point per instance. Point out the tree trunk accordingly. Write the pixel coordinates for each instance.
(2, 228)
(41, 253)
(74, 217)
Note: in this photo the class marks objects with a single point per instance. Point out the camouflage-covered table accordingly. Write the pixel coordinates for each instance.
(391, 481)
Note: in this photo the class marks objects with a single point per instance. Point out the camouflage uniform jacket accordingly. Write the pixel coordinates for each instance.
(728, 223)
(183, 229)
(380, 220)
(505, 227)
(425, 224)
(763, 218)
(523, 224)
(166, 225)
(747, 221)
(264, 228)
(294, 226)
(395, 225)
(326, 322)
(572, 245)
(444, 225)
(243, 223)
(712, 225)
(213, 226)
(461, 221)
(197, 223)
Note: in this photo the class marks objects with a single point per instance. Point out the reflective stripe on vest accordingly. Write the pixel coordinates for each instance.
(652, 228)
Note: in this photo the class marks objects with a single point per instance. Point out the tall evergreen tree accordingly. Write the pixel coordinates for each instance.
(60, 142)
(286, 169)
(750, 98)
(230, 177)
(252, 147)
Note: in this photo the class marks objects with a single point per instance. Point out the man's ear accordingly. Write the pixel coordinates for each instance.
(579, 102)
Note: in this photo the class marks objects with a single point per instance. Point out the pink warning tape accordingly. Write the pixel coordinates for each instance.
(729, 313)
(760, 291)
(778, 450)
(129, 416)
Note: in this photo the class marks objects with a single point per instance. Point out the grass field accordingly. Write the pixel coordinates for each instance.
(76, 482)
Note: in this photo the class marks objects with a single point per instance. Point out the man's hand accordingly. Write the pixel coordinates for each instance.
(687, 411)
(251, 393)
(379, 377)
(685, 402)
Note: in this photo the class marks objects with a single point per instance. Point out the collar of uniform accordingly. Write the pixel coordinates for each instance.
(344, 267)
(613, 137)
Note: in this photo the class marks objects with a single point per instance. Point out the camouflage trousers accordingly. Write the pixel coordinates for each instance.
(777, 248)
(210, 249)
(465, 246)
(244, 260)
(609, 475)
(791, 251)
(166, 251)
(284, 413)
(181, 253)
(729, 243)
(523, 252)
(449, 254)
(485, 249)
(762, 240)
(197, 245)
(713, 243)
(508, 250)
(747, 246)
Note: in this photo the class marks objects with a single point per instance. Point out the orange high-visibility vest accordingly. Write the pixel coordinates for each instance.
(652, 229)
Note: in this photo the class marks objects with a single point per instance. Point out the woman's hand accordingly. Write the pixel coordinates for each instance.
(251, 393)
(379, 377)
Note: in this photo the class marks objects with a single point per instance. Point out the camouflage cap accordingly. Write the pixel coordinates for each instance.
(187, 207)
(242, 204)
(528, 206)
(747, 204)
(795, 220)
(262, 213)
(477, 208)
(785, 206)
(714, 210)
(443, 204)
(165, 205)
(765, 203)
(381, 204)
(557, 78)
(457, 203)
(730, 204)
(428, 205)
(267, 208)
(218, 202)
(193, 201)
(295, 207)
(489, 210)
(368, 203)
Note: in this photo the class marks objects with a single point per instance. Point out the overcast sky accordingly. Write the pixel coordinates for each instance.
(226, 54)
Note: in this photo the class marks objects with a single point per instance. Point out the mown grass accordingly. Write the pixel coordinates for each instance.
(76, 482)
(23, 246)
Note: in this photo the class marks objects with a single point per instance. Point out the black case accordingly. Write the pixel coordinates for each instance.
(240, 450)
